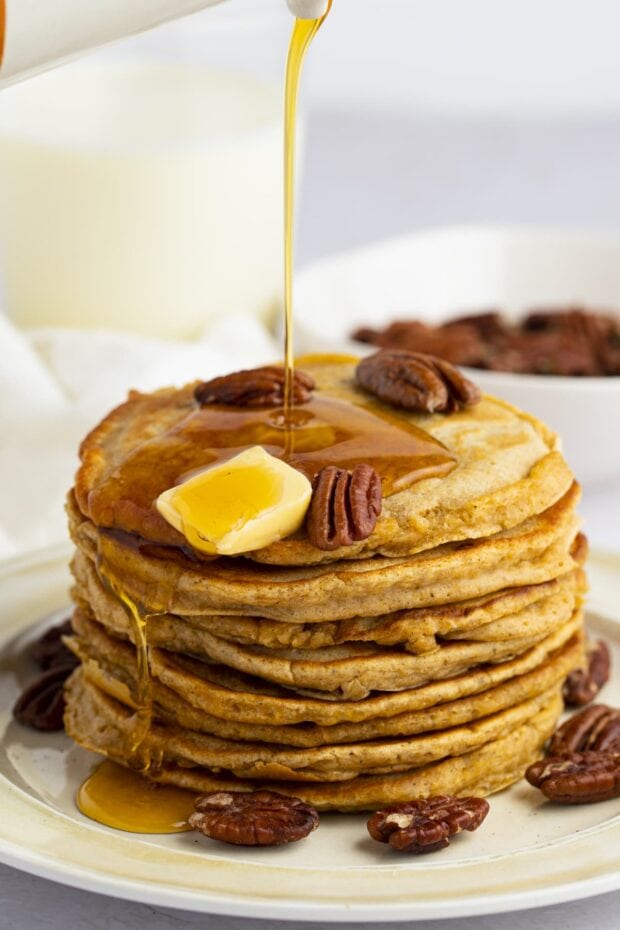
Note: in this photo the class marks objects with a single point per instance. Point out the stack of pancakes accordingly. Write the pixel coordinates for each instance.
(426, 659)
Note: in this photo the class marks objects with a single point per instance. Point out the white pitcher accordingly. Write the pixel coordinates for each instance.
(37, 34)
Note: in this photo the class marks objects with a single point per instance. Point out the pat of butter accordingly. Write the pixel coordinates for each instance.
(236, 506)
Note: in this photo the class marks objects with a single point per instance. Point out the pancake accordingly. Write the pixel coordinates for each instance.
(508, 468)
(352, 670)
(99, 723)
(110, 664)
(323, 763)
(350, 673)
(531, 553)
(222, 693)
(524, 611)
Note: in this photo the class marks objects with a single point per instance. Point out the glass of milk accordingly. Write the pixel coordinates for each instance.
(144, 192)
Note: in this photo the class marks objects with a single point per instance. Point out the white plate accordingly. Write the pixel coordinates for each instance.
(527, 853)
(438, 273)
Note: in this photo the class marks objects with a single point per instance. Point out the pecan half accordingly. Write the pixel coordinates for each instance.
(578, 778)
(254, 387)
(257, 818)
(416, 381)
(42, 704)
(582, 685)
(49, 651)
(426, 825)
(594, 728)
(344, 506)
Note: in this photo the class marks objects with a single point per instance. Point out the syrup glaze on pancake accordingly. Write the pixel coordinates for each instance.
(493, 466)
(327, 431)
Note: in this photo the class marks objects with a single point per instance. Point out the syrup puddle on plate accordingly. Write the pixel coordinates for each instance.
(120, 798)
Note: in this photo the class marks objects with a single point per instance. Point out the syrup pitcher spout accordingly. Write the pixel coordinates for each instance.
(35, 35)
(308, 9)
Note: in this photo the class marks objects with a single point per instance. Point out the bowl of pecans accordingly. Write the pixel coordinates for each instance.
(532, 314)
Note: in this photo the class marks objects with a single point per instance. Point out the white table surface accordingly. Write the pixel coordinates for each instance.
(365, 178)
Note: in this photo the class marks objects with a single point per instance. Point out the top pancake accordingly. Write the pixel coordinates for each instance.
(508, 468)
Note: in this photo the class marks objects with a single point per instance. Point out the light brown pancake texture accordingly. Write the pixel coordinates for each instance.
(111, 666)
(99, 723)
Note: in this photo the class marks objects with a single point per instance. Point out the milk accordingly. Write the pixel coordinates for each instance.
(144, 197)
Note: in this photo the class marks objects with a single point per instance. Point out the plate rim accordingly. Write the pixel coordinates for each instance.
(301, 911)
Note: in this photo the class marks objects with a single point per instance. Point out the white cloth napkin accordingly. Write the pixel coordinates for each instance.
(56, 384)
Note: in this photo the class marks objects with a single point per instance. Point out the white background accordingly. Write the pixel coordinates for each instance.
(452, 57)
(492, 57)
(473, 56)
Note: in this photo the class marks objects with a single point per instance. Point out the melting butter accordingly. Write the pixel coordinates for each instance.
(245, 503)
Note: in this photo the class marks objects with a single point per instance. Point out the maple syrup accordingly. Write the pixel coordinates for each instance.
(121, 798)
(304, 31)
(141, 720)
(327, 431)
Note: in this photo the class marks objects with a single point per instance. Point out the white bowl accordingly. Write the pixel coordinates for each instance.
(440, 273)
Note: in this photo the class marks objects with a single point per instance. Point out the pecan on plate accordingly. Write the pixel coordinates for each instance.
(416, 381)
(427, 824)
(578, 777)
(593, 728)
(582, 685)
(42, 704)
(256, 818)
(344, 506)
(49, 651)
(254, 387)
